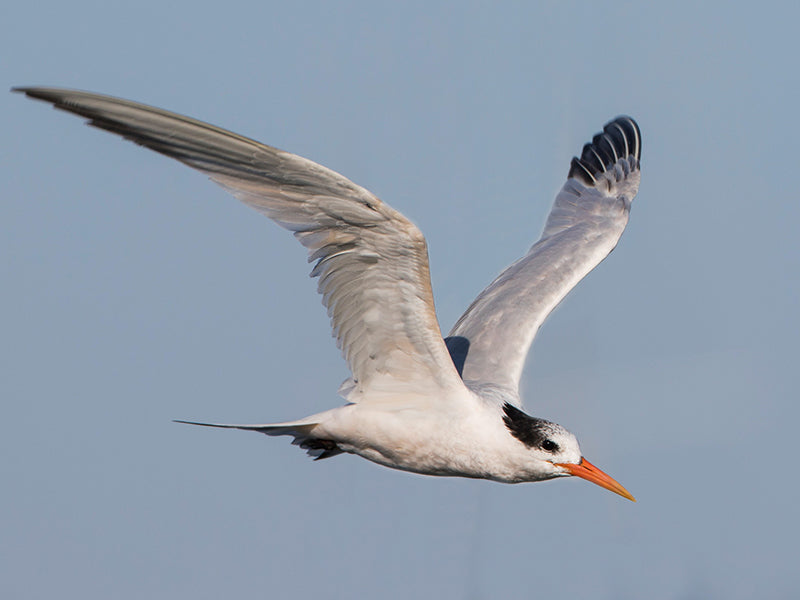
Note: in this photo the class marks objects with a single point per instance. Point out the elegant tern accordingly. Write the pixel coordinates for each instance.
(415, 401)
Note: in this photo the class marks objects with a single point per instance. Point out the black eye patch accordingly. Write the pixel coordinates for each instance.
(530, 431)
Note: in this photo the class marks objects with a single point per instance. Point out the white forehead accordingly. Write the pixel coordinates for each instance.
(569, 450)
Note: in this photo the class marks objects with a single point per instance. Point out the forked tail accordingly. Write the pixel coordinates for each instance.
(300, 430)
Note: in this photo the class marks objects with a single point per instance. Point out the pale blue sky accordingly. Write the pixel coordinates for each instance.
(136, 292)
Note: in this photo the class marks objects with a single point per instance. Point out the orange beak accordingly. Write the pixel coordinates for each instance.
(586, 470)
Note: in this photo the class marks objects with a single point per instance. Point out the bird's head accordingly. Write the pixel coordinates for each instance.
(556, 450)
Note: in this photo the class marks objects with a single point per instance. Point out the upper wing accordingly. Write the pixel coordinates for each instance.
(371, 261)
(490, 341)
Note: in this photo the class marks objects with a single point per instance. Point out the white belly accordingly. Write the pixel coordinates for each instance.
(438, 442)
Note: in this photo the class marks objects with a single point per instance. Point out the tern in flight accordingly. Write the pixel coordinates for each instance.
(415, 401)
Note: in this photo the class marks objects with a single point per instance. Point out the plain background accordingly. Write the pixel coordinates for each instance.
(135, 292)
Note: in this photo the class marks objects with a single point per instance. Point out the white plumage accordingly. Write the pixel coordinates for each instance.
(416, 402)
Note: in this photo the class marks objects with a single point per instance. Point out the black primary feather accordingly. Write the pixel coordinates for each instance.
(620, 140)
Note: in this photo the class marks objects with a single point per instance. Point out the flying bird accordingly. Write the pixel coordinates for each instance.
(416, 401)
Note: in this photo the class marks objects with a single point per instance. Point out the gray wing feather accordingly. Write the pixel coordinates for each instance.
(490, 342)
(372, 263)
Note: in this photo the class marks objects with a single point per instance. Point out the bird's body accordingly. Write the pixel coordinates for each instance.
(416, 401)
(466, 438)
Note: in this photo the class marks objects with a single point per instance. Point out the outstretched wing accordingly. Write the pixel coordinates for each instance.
(490, 341)
(371, 261)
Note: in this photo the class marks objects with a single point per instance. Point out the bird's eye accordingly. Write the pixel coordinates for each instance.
(549, 446)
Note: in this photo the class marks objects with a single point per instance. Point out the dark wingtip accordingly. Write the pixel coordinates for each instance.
(620, 139)
(36, 92)
(59, 98)
(625, 131)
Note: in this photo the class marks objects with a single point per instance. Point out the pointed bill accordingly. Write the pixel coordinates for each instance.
(586, 470)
